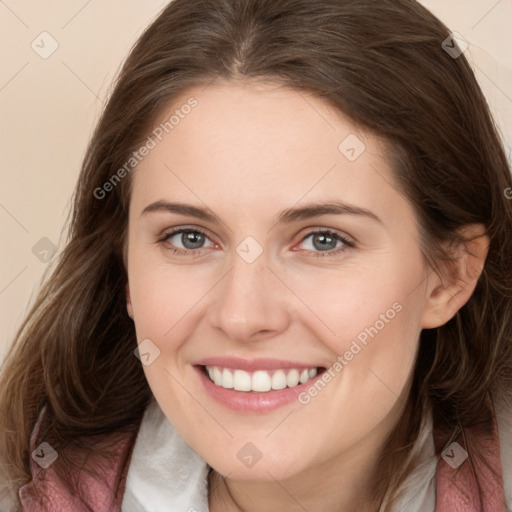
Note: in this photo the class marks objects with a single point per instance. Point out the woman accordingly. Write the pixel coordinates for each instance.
(287, 283)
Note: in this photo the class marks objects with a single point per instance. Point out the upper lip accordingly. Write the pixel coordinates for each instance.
(253, 364)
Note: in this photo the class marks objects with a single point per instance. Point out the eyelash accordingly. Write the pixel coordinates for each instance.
(347, 244)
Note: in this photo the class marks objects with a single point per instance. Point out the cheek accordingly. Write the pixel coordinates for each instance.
(168, 306)
(356, 304)
(370, 321)
(164, 296)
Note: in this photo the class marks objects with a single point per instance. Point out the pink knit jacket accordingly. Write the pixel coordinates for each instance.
(456, 489)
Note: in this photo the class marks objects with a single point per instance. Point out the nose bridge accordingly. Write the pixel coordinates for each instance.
(245, 282)
(249, 301)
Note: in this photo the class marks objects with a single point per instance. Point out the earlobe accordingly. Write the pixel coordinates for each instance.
(450, 293)
(129, 307)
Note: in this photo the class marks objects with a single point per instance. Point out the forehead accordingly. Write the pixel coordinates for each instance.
(257, 144)
(259, 122)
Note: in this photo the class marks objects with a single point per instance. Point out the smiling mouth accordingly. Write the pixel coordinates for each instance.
(260, 381)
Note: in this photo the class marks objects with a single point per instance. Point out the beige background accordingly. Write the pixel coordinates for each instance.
(48, 107)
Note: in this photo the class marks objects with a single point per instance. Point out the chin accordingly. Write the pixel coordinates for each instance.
(252, 465)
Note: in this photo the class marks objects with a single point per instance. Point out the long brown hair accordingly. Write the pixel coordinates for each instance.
(380, 62)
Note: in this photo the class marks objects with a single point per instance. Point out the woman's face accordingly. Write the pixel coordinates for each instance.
(268, 242)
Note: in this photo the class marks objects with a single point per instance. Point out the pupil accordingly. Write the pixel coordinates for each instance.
(324, 242)
(192, 240)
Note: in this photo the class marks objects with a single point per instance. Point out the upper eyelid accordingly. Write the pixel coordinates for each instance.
(343, 237)
(166, 233)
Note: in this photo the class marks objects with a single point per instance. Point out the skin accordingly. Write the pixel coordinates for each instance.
(247, 152)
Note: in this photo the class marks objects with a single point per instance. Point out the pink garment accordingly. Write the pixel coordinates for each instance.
(456, 490)
(47, 493)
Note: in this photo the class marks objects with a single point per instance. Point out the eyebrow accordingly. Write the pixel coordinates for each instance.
(286, 216)
(182, 209)
(331, 208)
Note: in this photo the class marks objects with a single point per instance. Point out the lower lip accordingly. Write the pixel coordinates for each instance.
(253, 401)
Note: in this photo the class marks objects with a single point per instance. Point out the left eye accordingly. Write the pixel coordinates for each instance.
(323, 241)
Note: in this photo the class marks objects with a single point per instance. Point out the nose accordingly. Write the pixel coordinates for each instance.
(250, 303)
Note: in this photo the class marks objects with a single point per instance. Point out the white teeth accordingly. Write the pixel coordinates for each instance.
(260, 381)
(217, 376)
(292, 379)
(227, 379)
(241, 380)
(279, 380)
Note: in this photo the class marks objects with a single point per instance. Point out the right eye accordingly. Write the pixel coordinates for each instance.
(186, 240)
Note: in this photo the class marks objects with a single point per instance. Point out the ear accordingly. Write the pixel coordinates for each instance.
(129, 307)
(447, 294)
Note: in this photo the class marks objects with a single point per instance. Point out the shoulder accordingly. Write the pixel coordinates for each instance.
(60, 484)
(444, 484)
